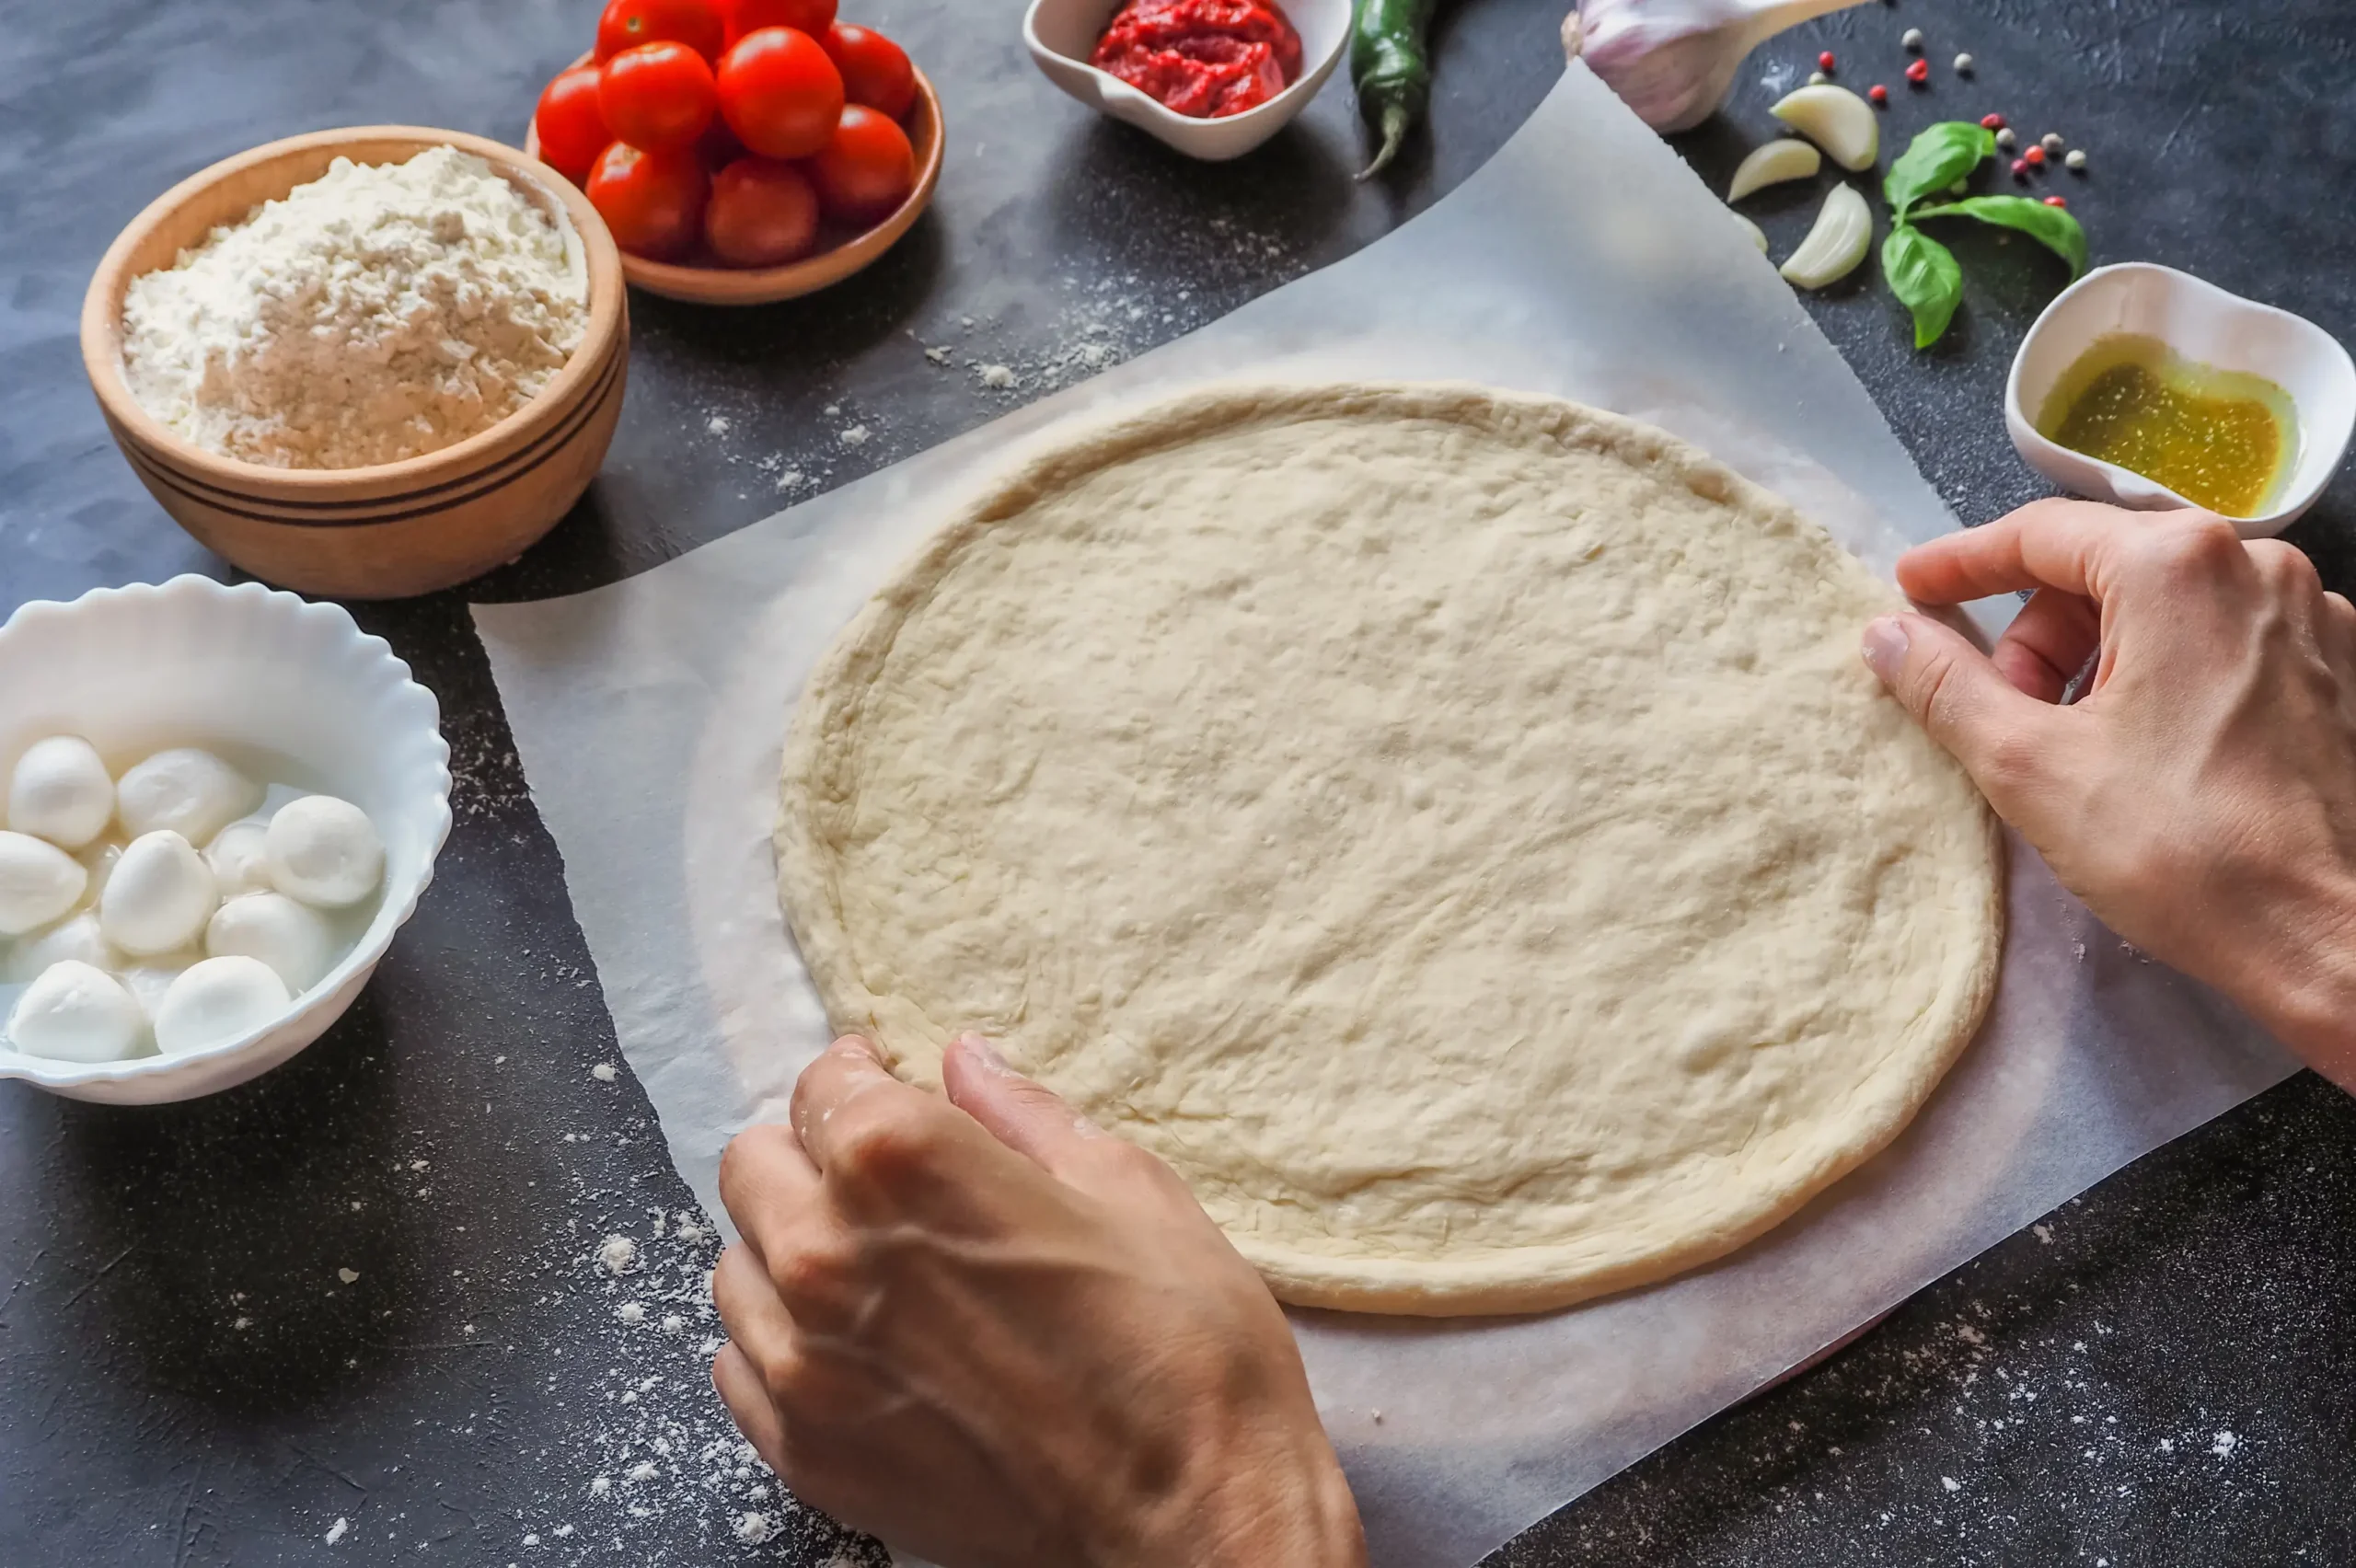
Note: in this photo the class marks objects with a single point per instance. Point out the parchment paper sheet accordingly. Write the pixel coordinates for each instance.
(1586, 260)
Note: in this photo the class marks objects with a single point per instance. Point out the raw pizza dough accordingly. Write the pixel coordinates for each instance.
(1453, 829)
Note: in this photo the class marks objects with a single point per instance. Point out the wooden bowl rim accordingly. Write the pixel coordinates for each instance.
(768, 285)
(102, 327)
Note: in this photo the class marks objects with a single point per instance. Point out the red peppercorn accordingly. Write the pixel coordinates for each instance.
(2055, 202)
(2034, 157)
(1878, 93)
(1992, 122)
(2020, 168)
(1824, 61)
(1919, 72)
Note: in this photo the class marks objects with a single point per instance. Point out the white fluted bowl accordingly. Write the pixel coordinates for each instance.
(250, 671)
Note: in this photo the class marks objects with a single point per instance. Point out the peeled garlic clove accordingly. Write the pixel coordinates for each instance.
(1843, 232)
(1773, 164)
(1836, 120)
(1758, 235)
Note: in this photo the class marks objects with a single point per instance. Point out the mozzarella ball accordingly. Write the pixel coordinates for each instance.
(78, 939)
(60, 791)
(39, 883)
(159, 897)
(77, 1012)
(219, 999)
(324, 852)
(192, 792)
(148, 982)
(239, 857)
(293, 939)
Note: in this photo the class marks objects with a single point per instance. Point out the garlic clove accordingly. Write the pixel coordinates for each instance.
(1843, 234)
(1758, 235)
(1836, 120)
(1789, 158)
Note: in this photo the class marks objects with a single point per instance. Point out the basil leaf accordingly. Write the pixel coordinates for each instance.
(2052, 228)
(1935, 159)
(1925, 277)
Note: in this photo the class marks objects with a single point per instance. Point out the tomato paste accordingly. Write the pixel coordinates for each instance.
(1207, 58)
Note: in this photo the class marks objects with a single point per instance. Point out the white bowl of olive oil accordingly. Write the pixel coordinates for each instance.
(2146, 386)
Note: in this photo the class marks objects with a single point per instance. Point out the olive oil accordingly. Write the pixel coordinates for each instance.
(2222, 439)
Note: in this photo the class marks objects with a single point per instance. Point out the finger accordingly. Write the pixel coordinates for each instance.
(767, 1181)
(741, 1390)
(1021, 1112)
(847, 1071)
(2004, 739)
(752, 1312)
(2048, 643)
(2339, 617)
(2070, 544)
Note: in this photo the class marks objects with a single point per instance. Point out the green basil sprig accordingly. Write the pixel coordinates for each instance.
(1924, 273)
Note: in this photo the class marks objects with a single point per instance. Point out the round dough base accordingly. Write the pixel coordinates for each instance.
(1454, 829)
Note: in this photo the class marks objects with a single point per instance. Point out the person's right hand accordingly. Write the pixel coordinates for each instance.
(2200, 796)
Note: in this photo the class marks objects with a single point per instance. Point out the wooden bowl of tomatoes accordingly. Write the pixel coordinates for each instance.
(742, 151)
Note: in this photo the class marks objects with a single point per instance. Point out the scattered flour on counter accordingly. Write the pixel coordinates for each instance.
(998, 377)
(631, 1312)
(855, 436)
(379, 313)
(618, 1254)
(602, 1072)
(753, 1530)
(718, 425)
(335, 1531)
(2225, 1445)
(348, 1276)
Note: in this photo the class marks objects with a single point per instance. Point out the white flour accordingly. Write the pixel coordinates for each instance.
(379, 313)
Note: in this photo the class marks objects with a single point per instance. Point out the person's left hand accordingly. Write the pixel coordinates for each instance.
(991, 1334)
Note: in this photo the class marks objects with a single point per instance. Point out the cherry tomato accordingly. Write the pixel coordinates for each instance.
(653, 201)
(628, 23)
(571, 128)
(751, 16)
(875, 70)
(657, 96)
(867, 168)
(763, 213)
(780, 93)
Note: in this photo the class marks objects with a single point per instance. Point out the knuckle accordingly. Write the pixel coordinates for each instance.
(815, 1276)
(2285, 567)
(881, 1146)
(2195, 545)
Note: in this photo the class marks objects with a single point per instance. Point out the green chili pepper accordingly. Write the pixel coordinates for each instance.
(1392, 73)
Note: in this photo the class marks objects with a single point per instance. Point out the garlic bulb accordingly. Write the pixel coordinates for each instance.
(1671, 61)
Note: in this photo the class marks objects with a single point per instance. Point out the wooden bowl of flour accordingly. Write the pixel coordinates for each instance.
(393, 529)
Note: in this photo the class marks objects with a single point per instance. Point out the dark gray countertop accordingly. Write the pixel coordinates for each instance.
(187, 1378)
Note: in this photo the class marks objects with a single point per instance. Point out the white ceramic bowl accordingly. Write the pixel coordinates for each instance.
(249, 670)
(1061, 35)
(2203, 323)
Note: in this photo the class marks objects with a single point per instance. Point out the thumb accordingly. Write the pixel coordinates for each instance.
(1021, 1112)
(2003, 737)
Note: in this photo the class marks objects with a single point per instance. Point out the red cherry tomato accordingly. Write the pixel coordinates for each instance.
(780, 93)
(751, 16)
(875, 70)
(762, 214)
(571, 128)
(628, 23)
(657, 96)
(867, 168)
(653, 201)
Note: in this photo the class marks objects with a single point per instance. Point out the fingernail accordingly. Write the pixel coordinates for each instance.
(1885, 648)
(984, 1055)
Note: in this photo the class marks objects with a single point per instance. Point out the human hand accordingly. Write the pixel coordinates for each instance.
(2200, 795)
(991, 1334)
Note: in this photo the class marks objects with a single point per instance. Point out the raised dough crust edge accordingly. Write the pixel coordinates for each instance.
(1528, 1279)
